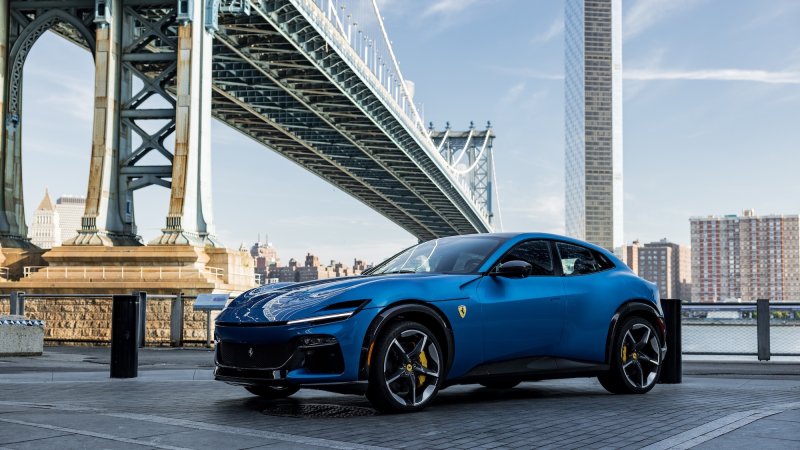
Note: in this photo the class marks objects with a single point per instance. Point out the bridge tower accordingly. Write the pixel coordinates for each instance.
(471, 158)
(152, 98)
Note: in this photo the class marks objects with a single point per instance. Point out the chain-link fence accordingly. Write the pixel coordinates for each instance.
(732, 329)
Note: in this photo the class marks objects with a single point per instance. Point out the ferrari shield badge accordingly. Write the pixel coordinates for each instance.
(462, 311)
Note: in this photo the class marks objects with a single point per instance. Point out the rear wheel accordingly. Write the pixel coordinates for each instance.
(406, 368)
(635, 359)
(272, 392)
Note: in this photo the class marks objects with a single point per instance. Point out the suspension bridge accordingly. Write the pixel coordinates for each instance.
(315, 80)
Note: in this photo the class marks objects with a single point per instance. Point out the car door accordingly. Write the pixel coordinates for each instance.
(590, 300)
(523, 317)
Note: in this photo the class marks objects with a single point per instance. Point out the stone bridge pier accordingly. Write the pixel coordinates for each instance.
(152, 113)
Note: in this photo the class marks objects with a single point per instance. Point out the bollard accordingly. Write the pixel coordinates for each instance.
(176, 321)
(141, 324)
(672, 366)
(17, 304)
(124, 325)
(762, 328)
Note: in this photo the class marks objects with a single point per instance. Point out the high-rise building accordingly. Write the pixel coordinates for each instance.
(630, 255)
(53, 224)
(593, 128)
(70, 209)
(747, 257)
(45, 231)
(668, 265)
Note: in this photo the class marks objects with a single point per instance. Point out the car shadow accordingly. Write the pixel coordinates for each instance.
(320, 404)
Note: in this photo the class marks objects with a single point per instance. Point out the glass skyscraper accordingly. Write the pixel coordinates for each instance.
(593, 87)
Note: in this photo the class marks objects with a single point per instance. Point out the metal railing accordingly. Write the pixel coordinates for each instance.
(137, 273)
(175, 315)
(761, 329)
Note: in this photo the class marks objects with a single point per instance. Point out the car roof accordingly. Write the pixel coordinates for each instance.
(512, 238)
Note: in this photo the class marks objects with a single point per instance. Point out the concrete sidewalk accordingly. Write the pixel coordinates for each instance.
(174, 404)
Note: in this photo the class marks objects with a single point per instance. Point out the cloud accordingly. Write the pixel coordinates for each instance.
(556, 29)
(513, 93)
(448, 7)
(778, 11)
(759, 76)
(645, 13)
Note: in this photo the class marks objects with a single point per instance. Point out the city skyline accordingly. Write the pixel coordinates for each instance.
(695, 115)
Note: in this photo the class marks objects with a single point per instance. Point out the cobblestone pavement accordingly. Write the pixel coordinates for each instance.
(177, 410)
(561, 414)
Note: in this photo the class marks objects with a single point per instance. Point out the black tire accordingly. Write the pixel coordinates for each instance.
(272, 392)
(406, 371)
(500, 384)
(635, 364)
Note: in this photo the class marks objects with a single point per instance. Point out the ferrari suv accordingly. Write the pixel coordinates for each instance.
(494, 309)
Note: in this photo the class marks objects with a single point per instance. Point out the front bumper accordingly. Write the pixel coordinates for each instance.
(276, 354)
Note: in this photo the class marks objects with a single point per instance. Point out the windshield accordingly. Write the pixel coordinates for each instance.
(457, 255)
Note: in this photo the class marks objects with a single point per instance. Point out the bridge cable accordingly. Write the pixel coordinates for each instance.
(463, 150)
(497, 196)
(477, 159)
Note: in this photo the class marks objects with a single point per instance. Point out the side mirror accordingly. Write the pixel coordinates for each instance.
(513, 269)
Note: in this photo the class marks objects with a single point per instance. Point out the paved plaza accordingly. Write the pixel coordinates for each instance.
(64, 399)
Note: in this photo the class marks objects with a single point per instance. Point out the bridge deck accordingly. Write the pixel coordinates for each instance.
(277, 80)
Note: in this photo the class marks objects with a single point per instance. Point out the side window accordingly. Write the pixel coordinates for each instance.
(577, 260)
(535, 253)
(603, 261)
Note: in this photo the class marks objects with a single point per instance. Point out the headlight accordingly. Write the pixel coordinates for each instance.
(325, 318)
(344, 310)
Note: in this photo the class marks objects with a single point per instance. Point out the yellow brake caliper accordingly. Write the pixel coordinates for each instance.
(424, 361)
(624, 353)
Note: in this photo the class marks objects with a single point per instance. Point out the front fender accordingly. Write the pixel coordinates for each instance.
(410, 307)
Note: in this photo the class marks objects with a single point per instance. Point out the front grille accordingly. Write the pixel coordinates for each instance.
(262, 356)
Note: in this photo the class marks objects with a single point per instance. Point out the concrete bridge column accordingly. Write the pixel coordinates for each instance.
(189, 220)
(13, 231)
(102, 223)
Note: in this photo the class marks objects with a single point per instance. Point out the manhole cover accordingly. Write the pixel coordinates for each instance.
(317, 411)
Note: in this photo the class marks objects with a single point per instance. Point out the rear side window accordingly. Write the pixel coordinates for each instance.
(603, 260)
(578, 260)
(535, 253)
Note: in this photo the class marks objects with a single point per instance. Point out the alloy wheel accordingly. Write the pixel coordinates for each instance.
(640, 356)
(412, 368)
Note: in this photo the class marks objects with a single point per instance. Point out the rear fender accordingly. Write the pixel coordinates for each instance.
(633, 307)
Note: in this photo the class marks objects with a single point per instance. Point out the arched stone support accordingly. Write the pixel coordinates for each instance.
(19, 31)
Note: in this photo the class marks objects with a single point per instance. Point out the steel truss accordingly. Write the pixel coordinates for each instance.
(280, 77)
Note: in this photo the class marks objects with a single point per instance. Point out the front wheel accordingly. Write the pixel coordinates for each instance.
(635, 359)
(406, 368)
(272, 392)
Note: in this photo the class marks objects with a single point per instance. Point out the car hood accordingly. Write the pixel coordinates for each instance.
(293, 301)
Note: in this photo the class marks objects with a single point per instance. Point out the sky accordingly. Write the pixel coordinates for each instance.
(711, 123)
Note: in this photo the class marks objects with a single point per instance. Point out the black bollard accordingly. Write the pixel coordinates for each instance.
(124, 349)
(762, 329)
(672, 366)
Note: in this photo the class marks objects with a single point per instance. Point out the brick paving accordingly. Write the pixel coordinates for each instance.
(576, 413)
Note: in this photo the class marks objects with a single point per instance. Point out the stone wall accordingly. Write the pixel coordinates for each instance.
(88, 321)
